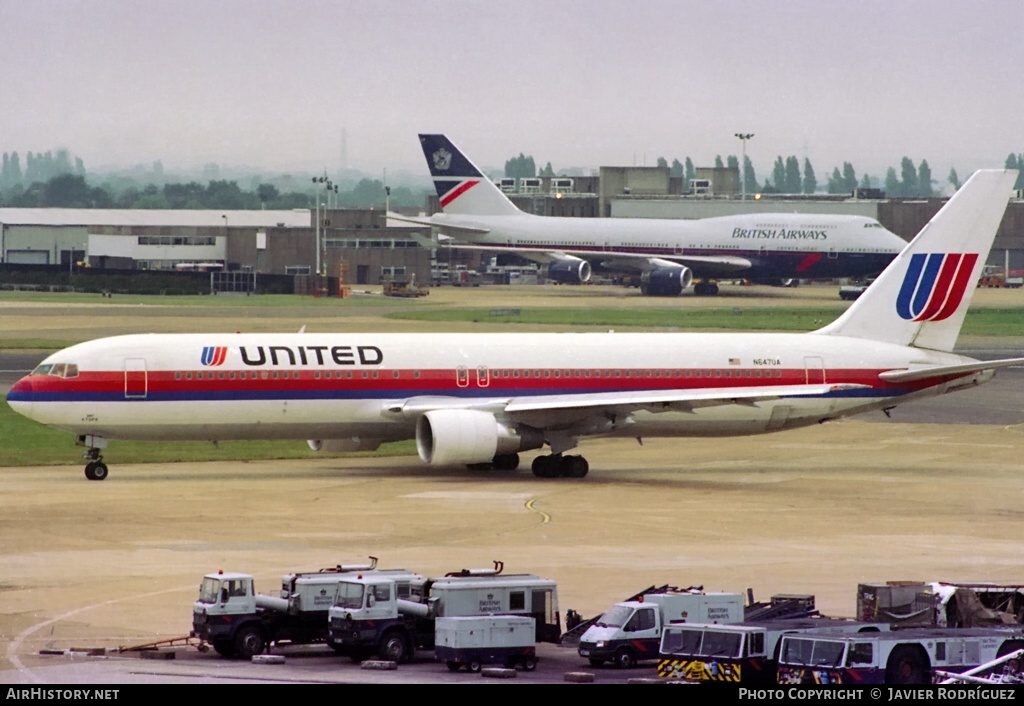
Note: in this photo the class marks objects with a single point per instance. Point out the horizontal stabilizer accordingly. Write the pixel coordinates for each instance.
(939, 370)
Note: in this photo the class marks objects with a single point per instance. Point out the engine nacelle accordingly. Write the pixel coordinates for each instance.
(354, 443)
(665, 281)
(464, 436)
(569, 271)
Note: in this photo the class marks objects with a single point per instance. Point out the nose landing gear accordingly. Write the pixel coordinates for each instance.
(95, 469)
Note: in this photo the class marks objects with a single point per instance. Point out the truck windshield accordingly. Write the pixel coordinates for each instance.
(812, 652)
(720, 644)
(208, 590)
(349, 595)
(615, 618)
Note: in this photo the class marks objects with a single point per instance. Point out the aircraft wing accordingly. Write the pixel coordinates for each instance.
(619, 402)
(611, 260)
(446, 228)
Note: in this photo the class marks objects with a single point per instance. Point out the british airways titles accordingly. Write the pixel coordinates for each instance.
(779, 234)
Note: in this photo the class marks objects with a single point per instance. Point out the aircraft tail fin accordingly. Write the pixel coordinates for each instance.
(921, 298)
(461, 187)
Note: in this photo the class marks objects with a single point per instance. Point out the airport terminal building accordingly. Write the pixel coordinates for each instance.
(358, 246)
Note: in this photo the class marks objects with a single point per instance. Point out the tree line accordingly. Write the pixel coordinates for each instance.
(55, 181)
(789, 177)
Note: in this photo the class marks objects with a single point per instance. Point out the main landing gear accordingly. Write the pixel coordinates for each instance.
(705, 289)
(95, 469)
(559, 466)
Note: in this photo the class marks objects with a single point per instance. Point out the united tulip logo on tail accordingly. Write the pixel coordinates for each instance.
(214, 355)
(934, 285)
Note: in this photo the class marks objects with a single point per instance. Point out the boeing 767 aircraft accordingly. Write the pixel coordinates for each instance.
(668, 254)
(483, 398)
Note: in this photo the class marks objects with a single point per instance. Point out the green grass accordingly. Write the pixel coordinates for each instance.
(27, 443)
(986, 322)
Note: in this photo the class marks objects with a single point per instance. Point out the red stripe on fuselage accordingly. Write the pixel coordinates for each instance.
(446, 381)
(808, 262)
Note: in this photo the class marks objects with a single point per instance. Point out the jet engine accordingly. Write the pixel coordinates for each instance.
(574, 271)
(464, 436)
(665, 281)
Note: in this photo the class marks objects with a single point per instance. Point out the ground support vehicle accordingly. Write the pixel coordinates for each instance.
(369, 617)
(941, 604)
(909, 656)
(238, 622)
(472, 642)
(741, 653)
(630, 631)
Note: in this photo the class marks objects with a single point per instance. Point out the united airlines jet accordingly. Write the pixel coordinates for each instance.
(482, 399)
(668, 254)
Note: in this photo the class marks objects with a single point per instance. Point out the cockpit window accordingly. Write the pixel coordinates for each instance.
(60, 370)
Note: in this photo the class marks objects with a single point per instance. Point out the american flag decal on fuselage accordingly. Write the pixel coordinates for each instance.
(934, 285)
(214, 355)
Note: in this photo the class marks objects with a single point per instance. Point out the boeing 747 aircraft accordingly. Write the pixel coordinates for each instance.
(482, 399)
(668, 254)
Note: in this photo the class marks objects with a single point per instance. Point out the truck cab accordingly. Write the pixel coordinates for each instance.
(226, 601)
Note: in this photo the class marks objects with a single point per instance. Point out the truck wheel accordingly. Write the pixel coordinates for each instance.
(395, 647)
(907, 665)
(474, 666)
(529, 664)
(249, 642)
(225, 648)
(453, 666)
(624, 658)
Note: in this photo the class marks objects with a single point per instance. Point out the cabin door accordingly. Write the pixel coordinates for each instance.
(136, 383)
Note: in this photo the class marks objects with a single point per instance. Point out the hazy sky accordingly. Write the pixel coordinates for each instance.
(275, 83)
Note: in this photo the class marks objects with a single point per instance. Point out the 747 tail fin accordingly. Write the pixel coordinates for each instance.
(922, 296)
(462, 188)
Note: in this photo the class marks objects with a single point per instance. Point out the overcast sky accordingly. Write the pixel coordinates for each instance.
(275, 84)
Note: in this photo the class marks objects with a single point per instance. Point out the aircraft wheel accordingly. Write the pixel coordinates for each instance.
(96, 470)
(506, 462)
(576, 467)
(545, 466)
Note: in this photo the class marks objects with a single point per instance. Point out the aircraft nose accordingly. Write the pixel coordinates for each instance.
(19, 397)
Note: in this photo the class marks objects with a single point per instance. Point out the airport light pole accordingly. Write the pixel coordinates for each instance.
(744, 136)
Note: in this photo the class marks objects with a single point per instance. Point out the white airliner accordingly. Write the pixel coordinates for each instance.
(484, 398)
(668, 254)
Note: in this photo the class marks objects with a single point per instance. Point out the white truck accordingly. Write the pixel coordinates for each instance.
(630, 632)
(370, 616)
(240, 623)
(473, 641)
